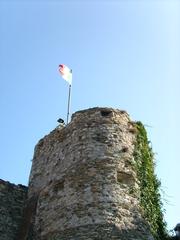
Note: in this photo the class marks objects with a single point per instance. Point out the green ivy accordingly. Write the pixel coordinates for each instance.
(150, 198)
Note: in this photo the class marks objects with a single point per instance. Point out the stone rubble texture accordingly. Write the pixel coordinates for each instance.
(12, 201)
(82, 183)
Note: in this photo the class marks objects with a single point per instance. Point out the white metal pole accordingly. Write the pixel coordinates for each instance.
(69, 102)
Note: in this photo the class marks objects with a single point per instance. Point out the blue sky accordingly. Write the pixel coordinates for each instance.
(124, 54)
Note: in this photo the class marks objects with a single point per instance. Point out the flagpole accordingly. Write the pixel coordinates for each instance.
(69, 101)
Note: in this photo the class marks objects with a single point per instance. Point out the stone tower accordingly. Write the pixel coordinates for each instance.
(82, 178)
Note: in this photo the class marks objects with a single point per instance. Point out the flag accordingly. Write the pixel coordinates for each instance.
(66, 73)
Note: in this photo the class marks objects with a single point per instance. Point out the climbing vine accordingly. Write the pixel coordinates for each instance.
(150, 198)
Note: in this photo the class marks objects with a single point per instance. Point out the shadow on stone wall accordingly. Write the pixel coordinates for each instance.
(26, 229)
(12, 201)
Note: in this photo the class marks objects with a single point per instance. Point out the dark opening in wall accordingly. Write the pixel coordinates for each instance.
(58, 186)
(100, 138)
(125, 178)
(124, 149)
(106, 113)
(122, 111)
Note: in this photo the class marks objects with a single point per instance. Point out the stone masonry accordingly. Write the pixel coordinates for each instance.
(83, 185)
(12, 201)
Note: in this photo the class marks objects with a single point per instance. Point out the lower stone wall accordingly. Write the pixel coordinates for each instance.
(12, 201)
(99, 232)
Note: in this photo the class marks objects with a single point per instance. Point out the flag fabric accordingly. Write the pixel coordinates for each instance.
(66, 73)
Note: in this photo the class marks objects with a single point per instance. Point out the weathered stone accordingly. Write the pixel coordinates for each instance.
(82, 175)
(12, 202)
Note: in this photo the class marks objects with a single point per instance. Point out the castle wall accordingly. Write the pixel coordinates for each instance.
(85, 181)
(12, 201)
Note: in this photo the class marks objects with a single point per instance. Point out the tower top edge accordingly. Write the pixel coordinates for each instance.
(98, 109)
(90, 117)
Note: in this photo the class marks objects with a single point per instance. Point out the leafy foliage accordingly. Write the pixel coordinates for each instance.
(150, 198)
